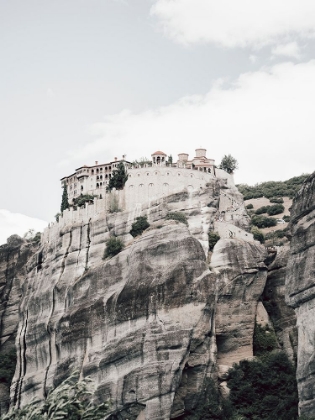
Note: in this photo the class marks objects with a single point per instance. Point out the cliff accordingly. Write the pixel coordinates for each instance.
(152, 323)
(300, 288)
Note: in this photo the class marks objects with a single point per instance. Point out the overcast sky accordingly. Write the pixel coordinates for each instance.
(86, 80)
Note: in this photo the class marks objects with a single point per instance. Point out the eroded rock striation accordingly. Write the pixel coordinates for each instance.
(300, 285)
(150, 324)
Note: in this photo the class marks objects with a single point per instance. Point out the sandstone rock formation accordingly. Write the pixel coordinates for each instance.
(13, 258)
(150, 324)
(300, 285)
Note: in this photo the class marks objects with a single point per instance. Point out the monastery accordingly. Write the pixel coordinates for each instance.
(94, 179)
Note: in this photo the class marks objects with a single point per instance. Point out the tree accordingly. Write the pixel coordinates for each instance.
(228, 164)
(139, 226)
(64, 200)
(118, 179)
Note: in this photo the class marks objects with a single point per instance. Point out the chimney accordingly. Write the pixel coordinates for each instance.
(96, 162)
(115, 158)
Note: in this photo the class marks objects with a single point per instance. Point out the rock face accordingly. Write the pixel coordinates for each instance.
(150, 324)
(300, 284)
(13, 258)
(282, 317)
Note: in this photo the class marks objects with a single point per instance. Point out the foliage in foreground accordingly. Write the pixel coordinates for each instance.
(71, 400)
(139, 226)
(264, 388)
(113, 247)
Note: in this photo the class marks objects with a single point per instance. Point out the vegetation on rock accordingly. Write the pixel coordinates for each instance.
(213, 238)
(118, 179)
(113, 246)
(272, 189)
(228, 164)
(82, 199)
(139, 226)
(178, 216)
(71, 400)
(258, 235)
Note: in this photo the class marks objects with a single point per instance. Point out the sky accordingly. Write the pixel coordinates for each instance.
(87, 80)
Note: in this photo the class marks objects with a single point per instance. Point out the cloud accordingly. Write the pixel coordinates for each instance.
(263, 118)
(50, 93)
(291, 49)
(230, 23)
(16, 223)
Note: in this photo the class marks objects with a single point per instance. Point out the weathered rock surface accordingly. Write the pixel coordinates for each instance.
(13, 258)
(300, 284)
(282, 317)
(150, 324)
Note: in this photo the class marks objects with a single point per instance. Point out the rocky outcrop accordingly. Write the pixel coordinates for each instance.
(281, 316)
(13, 258)
(150, 324)
(300, 285)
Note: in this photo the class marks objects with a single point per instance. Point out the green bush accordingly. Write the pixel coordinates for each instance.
(275, 209)
(249, 206)
(264, 340)
(82, 199)
(272, 189)
(70, 400)
(263, 221)
(264, 388)
(262, 210)
(286, 218)
(258, 235)
(213, 238)
(139, 226)
(178, 216)
(277, 200)
(113, 246)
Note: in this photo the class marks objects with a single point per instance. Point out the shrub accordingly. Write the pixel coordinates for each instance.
(113, 246)
(277, 200)
(139, 226)
(258, 235)
(286, 218)
(213, 238)
(178, 216)
(275, 209)
(70, 400)
(249, 206)
(263, 222)
(264, 340)
(264, 388)
(82, 199)
(262, 210)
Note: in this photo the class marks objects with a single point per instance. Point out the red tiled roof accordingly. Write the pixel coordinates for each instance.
(158, 153)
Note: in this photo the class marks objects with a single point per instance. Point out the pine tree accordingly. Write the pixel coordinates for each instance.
(64, 200)
(119, 178)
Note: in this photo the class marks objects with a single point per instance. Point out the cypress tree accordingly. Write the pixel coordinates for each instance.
(64, 200)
